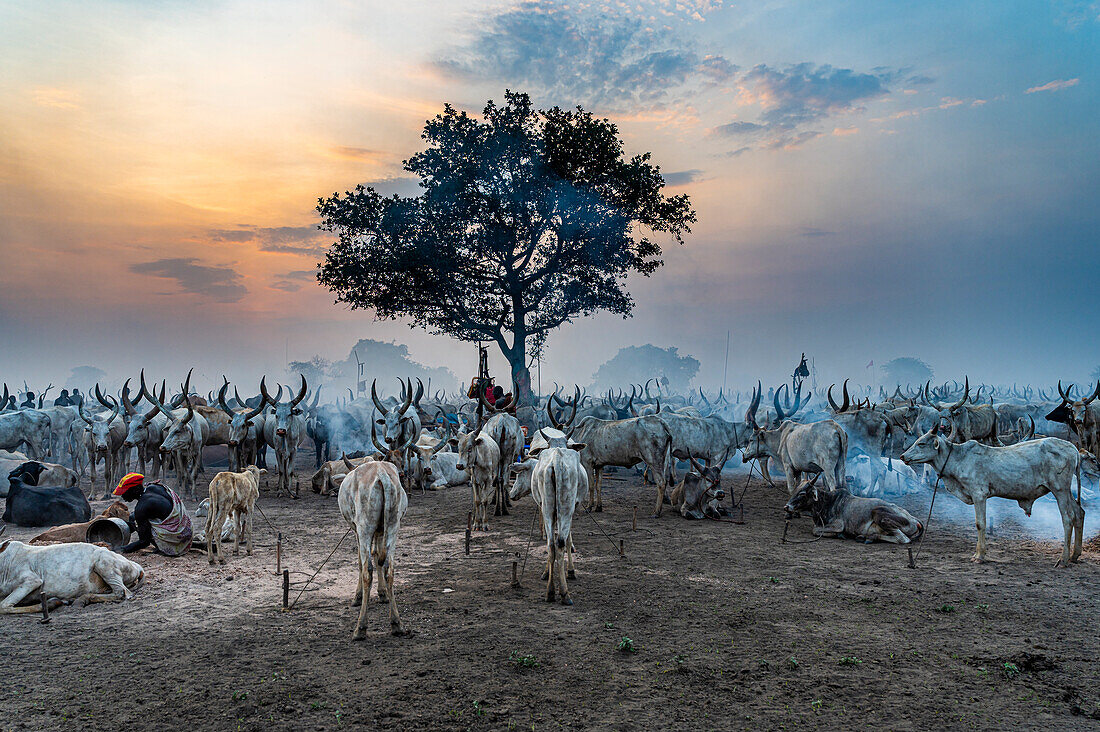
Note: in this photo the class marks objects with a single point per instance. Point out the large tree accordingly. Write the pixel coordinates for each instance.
(527, 219)
(638, 364)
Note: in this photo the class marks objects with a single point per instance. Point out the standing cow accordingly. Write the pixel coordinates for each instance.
(284, 430)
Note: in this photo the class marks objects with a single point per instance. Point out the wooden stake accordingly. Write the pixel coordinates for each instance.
(634, 525)
(286, 590)
(469, 530)
(912, 564)
(279, 553)
(297, 489)
(621, 552)
(515, 575)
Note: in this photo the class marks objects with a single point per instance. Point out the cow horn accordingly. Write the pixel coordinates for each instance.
(419, 391)
(316, 398)
(83, 416)
(99, 397)
(832, 403)
(190, 409)
(221, 399)
(374, 439)
(779, 415)
(158, 403)
(1095, 393)
(301, 393)
(374, 396)
(847, 402)
(347, 463)
(695, 464)
(550, 414)
(115, 410)
(126, 403)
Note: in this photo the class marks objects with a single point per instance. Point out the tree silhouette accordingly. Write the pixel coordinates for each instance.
(527, 220)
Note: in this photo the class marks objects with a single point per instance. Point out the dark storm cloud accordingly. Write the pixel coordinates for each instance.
(681, 177)
(220, 283)
(795, 98)
(614, 62)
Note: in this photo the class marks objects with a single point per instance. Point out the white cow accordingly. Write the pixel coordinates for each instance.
(1024, 472)
(373, 503)
(81, 572)
(558, 480)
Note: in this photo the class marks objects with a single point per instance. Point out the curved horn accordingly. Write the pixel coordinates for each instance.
(301, 393)
(832, 403)
(374, 397)
(1095, 393)
(83, 416)
(419, 391)
(374, 439)
(965, 396)
(99, 397)
(847, 402)
(316, 398)
(347, 463)
(126, 403)
(190, 410)
(779, 416)
(550, 414)
(695, 464)
(221, 399)
(157, 403)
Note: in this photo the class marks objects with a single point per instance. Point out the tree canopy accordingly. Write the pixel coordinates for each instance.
(528, 218)
(906, 370)
(638, 364)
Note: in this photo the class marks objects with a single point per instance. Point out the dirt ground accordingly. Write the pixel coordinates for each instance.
(730, 629)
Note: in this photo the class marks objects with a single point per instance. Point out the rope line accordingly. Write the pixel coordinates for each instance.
(307, 582)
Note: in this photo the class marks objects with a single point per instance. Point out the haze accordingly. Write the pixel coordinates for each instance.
(873, 180)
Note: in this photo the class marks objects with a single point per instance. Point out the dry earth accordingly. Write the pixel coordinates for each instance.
(730, 629)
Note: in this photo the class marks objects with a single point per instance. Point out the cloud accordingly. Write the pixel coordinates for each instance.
(681, 177)
(305, 275)
(599, 57)
(285, 286)
(222, 284)
(304, 240)
(1054, 85)
(843, 131)
(794, 99)
(45, 96)
(358, 153)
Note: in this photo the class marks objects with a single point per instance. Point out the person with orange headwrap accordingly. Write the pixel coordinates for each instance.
(159, 517)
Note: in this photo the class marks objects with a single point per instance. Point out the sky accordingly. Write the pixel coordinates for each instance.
(872, 179)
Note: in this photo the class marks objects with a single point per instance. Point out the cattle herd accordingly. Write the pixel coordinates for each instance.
(840, 461)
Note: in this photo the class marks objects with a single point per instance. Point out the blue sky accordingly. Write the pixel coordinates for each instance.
(873, 179)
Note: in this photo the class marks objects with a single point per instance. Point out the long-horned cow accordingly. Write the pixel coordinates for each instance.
(183, 440)
(244, 426)
(284, 430)
(103, 438)
(821, 447)
(1023, 472)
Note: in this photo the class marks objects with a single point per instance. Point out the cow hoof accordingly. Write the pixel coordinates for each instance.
(545, 576)
(211, 562)
(571, 574)
(359, 634)
(356, 602)
(566, 600)
(977, 559)
(550, 596)
(599, 508)
(400, 631)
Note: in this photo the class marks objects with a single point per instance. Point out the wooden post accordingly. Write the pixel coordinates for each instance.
(297, 489)
(634, 524)
(279, 553)
(469, 530)
(286, 590)
(912, 564)
(515, 575)
(621, 552)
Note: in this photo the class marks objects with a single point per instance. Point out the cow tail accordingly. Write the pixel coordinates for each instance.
(1078, 481)
(388, 520)
(555, 515)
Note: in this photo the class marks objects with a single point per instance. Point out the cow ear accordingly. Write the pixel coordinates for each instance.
(578, 446)
(339, 477)
(521, 467)
(380, 421)
(534, 453)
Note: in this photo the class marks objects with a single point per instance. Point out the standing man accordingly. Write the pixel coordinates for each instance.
(159, 517)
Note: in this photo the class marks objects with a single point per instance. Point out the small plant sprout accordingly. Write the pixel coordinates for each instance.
(849, 661)
(626, 645)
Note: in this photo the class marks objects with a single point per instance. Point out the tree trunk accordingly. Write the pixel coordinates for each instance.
(521, 375)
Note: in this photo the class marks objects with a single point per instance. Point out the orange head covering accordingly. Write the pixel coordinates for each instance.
(130, 480)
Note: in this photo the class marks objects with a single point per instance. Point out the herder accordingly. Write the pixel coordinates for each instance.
(159, 517)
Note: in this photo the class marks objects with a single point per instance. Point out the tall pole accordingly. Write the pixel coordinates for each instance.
(725, 367)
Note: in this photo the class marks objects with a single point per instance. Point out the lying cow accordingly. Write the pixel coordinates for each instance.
(326, 480)
(37, 473)
(840, 514)
(31, 505)
(82, 573)
(73, 533)
(699, 495)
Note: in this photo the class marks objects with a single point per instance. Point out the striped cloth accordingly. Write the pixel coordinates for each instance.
(173, 535)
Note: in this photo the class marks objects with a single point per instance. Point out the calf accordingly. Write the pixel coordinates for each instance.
(31, 505)
(840, 514)
(330, 473)
(72, 533)
(80, 572)
(232, 496)
(479, 455)
(373, 503)
(1024, 472)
